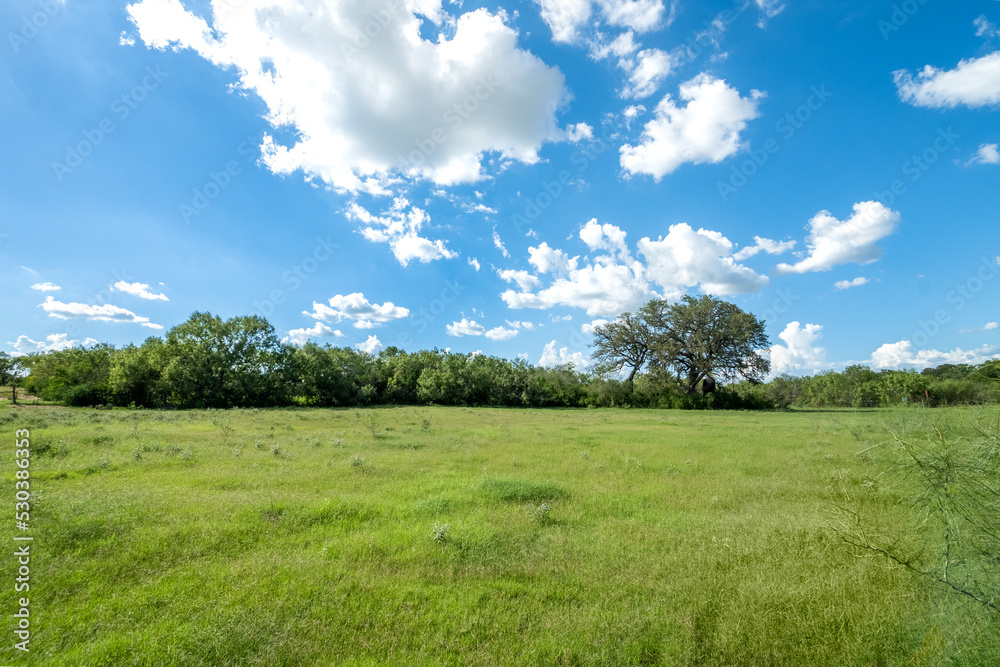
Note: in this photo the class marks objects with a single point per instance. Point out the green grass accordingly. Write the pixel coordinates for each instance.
(300, 537)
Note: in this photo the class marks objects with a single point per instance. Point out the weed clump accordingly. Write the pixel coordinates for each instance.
(439, 532)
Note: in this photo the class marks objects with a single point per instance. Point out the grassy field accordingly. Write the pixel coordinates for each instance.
(467, 537)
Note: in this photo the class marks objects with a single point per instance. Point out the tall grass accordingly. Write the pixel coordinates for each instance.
(670, 538)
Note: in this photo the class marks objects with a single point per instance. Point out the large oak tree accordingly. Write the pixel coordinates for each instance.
(703, 338)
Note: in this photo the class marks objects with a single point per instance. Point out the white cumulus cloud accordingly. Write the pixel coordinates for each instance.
(686, 258)
(400, 226)
(501, 334)
(973, 83)
(613, 281)
(847, 284)
(832, 241)
(101, 313)
(525, 281)
(761, 244)
(373, 90)
(987, 154)
(465, 328)
(140, 290)
(904, 355)
(372, 345)
(46, 287)
(568, 19)
(356, 307)
(647, 71)
(590, 327)
(52, 343)
(800, 353)
(989, 326)
(302, 336)
(552, 356)
(705, 130)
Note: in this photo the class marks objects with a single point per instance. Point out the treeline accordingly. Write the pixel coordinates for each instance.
(208, 362)
(861, 387)
(211, 363)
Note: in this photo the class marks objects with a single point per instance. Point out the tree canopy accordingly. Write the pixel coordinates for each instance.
(665, 349)
(696, 338)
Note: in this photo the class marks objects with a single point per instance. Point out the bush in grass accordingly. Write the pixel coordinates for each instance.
(439, 532)
(945, 520)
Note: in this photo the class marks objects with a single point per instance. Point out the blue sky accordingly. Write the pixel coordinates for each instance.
(501, 176)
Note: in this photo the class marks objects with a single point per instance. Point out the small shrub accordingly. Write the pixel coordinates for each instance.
(439, 532)
(187, 454)
(137, 454)
(373, 422)
(357, 461)
(539, 514)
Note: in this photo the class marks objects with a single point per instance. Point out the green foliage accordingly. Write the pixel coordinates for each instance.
(75, 376)
(944, 523)
(702, 339)
(207, 362)
(706, 337)
(220, 364)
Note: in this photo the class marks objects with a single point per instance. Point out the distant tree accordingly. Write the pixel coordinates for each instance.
(706, 338)
(6, 369)
(949, 371)
(624, 343)
(220, 364)
(74, 376)
(12, 369)
(136, 375)
(784, 390)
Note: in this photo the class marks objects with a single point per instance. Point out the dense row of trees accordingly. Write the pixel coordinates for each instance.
(665, 355)
(861, 387)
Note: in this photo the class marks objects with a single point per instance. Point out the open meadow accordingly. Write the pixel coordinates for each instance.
(454, 536)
